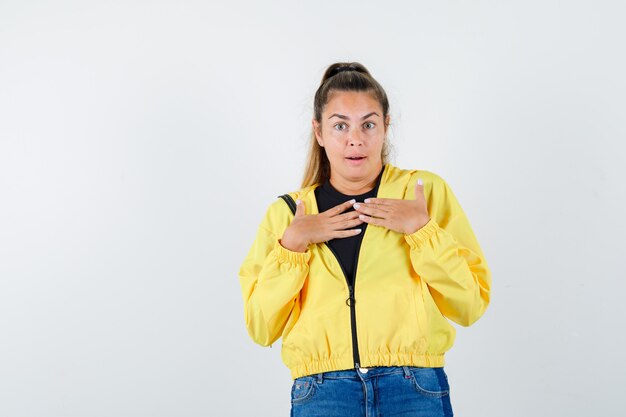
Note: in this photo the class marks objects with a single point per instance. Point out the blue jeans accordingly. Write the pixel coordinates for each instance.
(378, 391)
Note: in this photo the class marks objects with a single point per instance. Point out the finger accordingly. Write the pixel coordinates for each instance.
(340, 208)
(419, 188)
(346, 233)
(371, 211)
(346, 224)
(345, 216)
(383, 208)
(300, 209)
(380, 201)
(373, 220)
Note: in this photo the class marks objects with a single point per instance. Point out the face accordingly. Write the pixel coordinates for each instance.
(352, 125)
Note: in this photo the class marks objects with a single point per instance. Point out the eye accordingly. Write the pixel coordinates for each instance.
(340, 124)
(370, 123)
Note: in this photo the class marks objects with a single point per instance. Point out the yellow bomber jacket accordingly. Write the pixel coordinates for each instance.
(406, 286)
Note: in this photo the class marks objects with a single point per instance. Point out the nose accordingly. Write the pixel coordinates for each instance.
(354, 139)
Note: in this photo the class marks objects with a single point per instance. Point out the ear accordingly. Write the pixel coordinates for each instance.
(316, 130)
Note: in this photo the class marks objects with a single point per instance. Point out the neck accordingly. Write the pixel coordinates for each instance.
(348, 187)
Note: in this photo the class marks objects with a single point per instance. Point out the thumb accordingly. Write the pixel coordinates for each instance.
(300, 210)
(419, 188)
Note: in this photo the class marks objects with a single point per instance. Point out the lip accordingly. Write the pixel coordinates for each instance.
(356, 162)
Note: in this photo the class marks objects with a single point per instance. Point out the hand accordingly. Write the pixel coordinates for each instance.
(402, 216)
(306, 229)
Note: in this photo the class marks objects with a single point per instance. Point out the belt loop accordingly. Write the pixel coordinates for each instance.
(407, 372)
(320, 377)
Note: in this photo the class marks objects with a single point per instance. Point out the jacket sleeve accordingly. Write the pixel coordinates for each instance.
(271, 277)
(446, 254)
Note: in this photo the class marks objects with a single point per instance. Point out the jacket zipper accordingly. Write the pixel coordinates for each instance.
(350, 301)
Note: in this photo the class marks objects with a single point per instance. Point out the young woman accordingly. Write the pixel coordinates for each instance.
(362, 279)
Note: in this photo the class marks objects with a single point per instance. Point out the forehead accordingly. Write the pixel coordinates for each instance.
(347, 102)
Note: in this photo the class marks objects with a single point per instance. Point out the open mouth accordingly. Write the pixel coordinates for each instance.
(355, 160)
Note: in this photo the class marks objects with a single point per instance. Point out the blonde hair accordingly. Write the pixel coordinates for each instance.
(340, 76)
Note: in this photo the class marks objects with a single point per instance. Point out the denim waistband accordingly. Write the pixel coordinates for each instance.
(364, 373)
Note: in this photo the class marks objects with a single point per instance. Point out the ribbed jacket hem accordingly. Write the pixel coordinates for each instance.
(429, 360)
(287, 256)
(421, 235)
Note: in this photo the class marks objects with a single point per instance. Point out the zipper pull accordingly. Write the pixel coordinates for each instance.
(350, 300)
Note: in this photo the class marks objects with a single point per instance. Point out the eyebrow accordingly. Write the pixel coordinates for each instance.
(341, 116)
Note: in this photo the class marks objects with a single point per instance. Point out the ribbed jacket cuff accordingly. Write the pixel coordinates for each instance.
(421, 235)
(287, 256)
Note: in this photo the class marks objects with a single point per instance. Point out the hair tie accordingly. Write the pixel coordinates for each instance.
(344, 68)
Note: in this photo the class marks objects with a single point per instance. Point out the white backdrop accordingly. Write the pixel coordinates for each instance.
(142, 141)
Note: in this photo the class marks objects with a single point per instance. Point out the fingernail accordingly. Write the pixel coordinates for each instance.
(353, 201)
(367, 200)
(298, 201)
(357, 205)
(419, 181)
(359, 230)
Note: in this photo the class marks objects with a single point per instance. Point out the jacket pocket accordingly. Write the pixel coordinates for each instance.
(420, 307)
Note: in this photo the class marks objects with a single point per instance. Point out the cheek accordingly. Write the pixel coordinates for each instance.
(333, 134)
(333, 141)
(333, 151)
